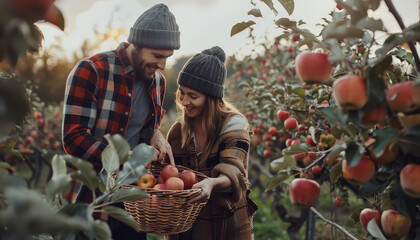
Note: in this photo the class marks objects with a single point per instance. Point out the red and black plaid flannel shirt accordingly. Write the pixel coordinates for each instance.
(98, 101)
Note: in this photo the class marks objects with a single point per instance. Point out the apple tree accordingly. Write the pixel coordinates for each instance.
(340, 108)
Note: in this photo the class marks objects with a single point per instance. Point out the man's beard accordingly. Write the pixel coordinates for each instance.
(139, 69)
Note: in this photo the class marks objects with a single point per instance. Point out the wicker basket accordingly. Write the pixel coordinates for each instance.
(165, 212)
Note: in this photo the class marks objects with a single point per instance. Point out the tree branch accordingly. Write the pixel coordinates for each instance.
(333, 224)
(397, 16)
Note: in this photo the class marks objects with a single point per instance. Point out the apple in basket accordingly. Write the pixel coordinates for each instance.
(169, 171)
(147, 181)
(159, 186)
(174, 183)
(189, 178)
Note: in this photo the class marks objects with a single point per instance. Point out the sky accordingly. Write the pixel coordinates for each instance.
(202, 23)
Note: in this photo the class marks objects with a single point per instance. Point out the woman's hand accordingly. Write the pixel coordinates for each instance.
(207, 186)
(162, 148)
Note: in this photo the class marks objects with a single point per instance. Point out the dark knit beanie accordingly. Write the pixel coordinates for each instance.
(156, 28)
(205, 72)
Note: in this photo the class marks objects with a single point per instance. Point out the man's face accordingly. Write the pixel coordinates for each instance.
(146, 61)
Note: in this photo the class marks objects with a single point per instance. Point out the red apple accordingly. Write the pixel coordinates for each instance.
(389, 154)
(41, 122)
(360, 173)
(37, 114)
(160, 180)
(272, 131)
(267, 137)
(313, 67)
(267, 153)
(291, 123)
(302, 127)
(368, 214)
(29, 140)
(147, 181)
(310, 141)
(169, 171)
(350, 92)
(374, 116)
(400, 96)
(394, 224)
(174, 183)
(304, 192)
(316, 169)
(282, 115)
(289, 142)
(338, 202)
(410, 180)
(256, 131)
(159, 186)
(189, 178)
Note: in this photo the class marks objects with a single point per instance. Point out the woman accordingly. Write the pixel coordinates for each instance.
(213, 138)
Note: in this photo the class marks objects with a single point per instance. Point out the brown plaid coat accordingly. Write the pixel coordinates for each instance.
(227, 215)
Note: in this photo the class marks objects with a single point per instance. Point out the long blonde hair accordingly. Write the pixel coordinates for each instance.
(215, 113)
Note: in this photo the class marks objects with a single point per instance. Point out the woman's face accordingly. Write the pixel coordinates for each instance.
(192, 101)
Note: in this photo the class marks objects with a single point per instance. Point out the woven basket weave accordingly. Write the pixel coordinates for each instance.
(165, 212)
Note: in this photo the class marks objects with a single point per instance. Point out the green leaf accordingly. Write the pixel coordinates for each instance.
(276, 180)
(337, 131)
(296, 148)
(134, 167)
(289, 5)
(376, 184)
(142, 154)
(239, 27)
(334, 116)
(353, 154)
(269, 3)
(383, 137)
(121, 215)
(337, 148)
(371, 24)
(86, 173)
(335, 172)
(60, 185)
(129, 194)
(374, 230)
(102, 230)
(282, 163)
(58, 165)
(255, 12)
(5, 165)
(286, 23)
(110, 160)
(340, 30)
(120, 145)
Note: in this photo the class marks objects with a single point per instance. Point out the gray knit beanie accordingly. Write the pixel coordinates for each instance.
(205, 72)
(156, 28)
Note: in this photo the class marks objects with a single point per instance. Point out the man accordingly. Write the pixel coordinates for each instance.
(121, 92)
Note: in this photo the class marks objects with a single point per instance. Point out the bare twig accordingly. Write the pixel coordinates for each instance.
(333, 224)
(262, 168)
(397, 16)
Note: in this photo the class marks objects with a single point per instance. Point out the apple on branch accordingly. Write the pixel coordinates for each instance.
(368, 214)
(304, 192)
(313, 67)
(394, 224)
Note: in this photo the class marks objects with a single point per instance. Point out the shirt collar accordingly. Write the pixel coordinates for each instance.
(122, 52)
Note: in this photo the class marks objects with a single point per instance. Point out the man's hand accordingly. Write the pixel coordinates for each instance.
(162, 147)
